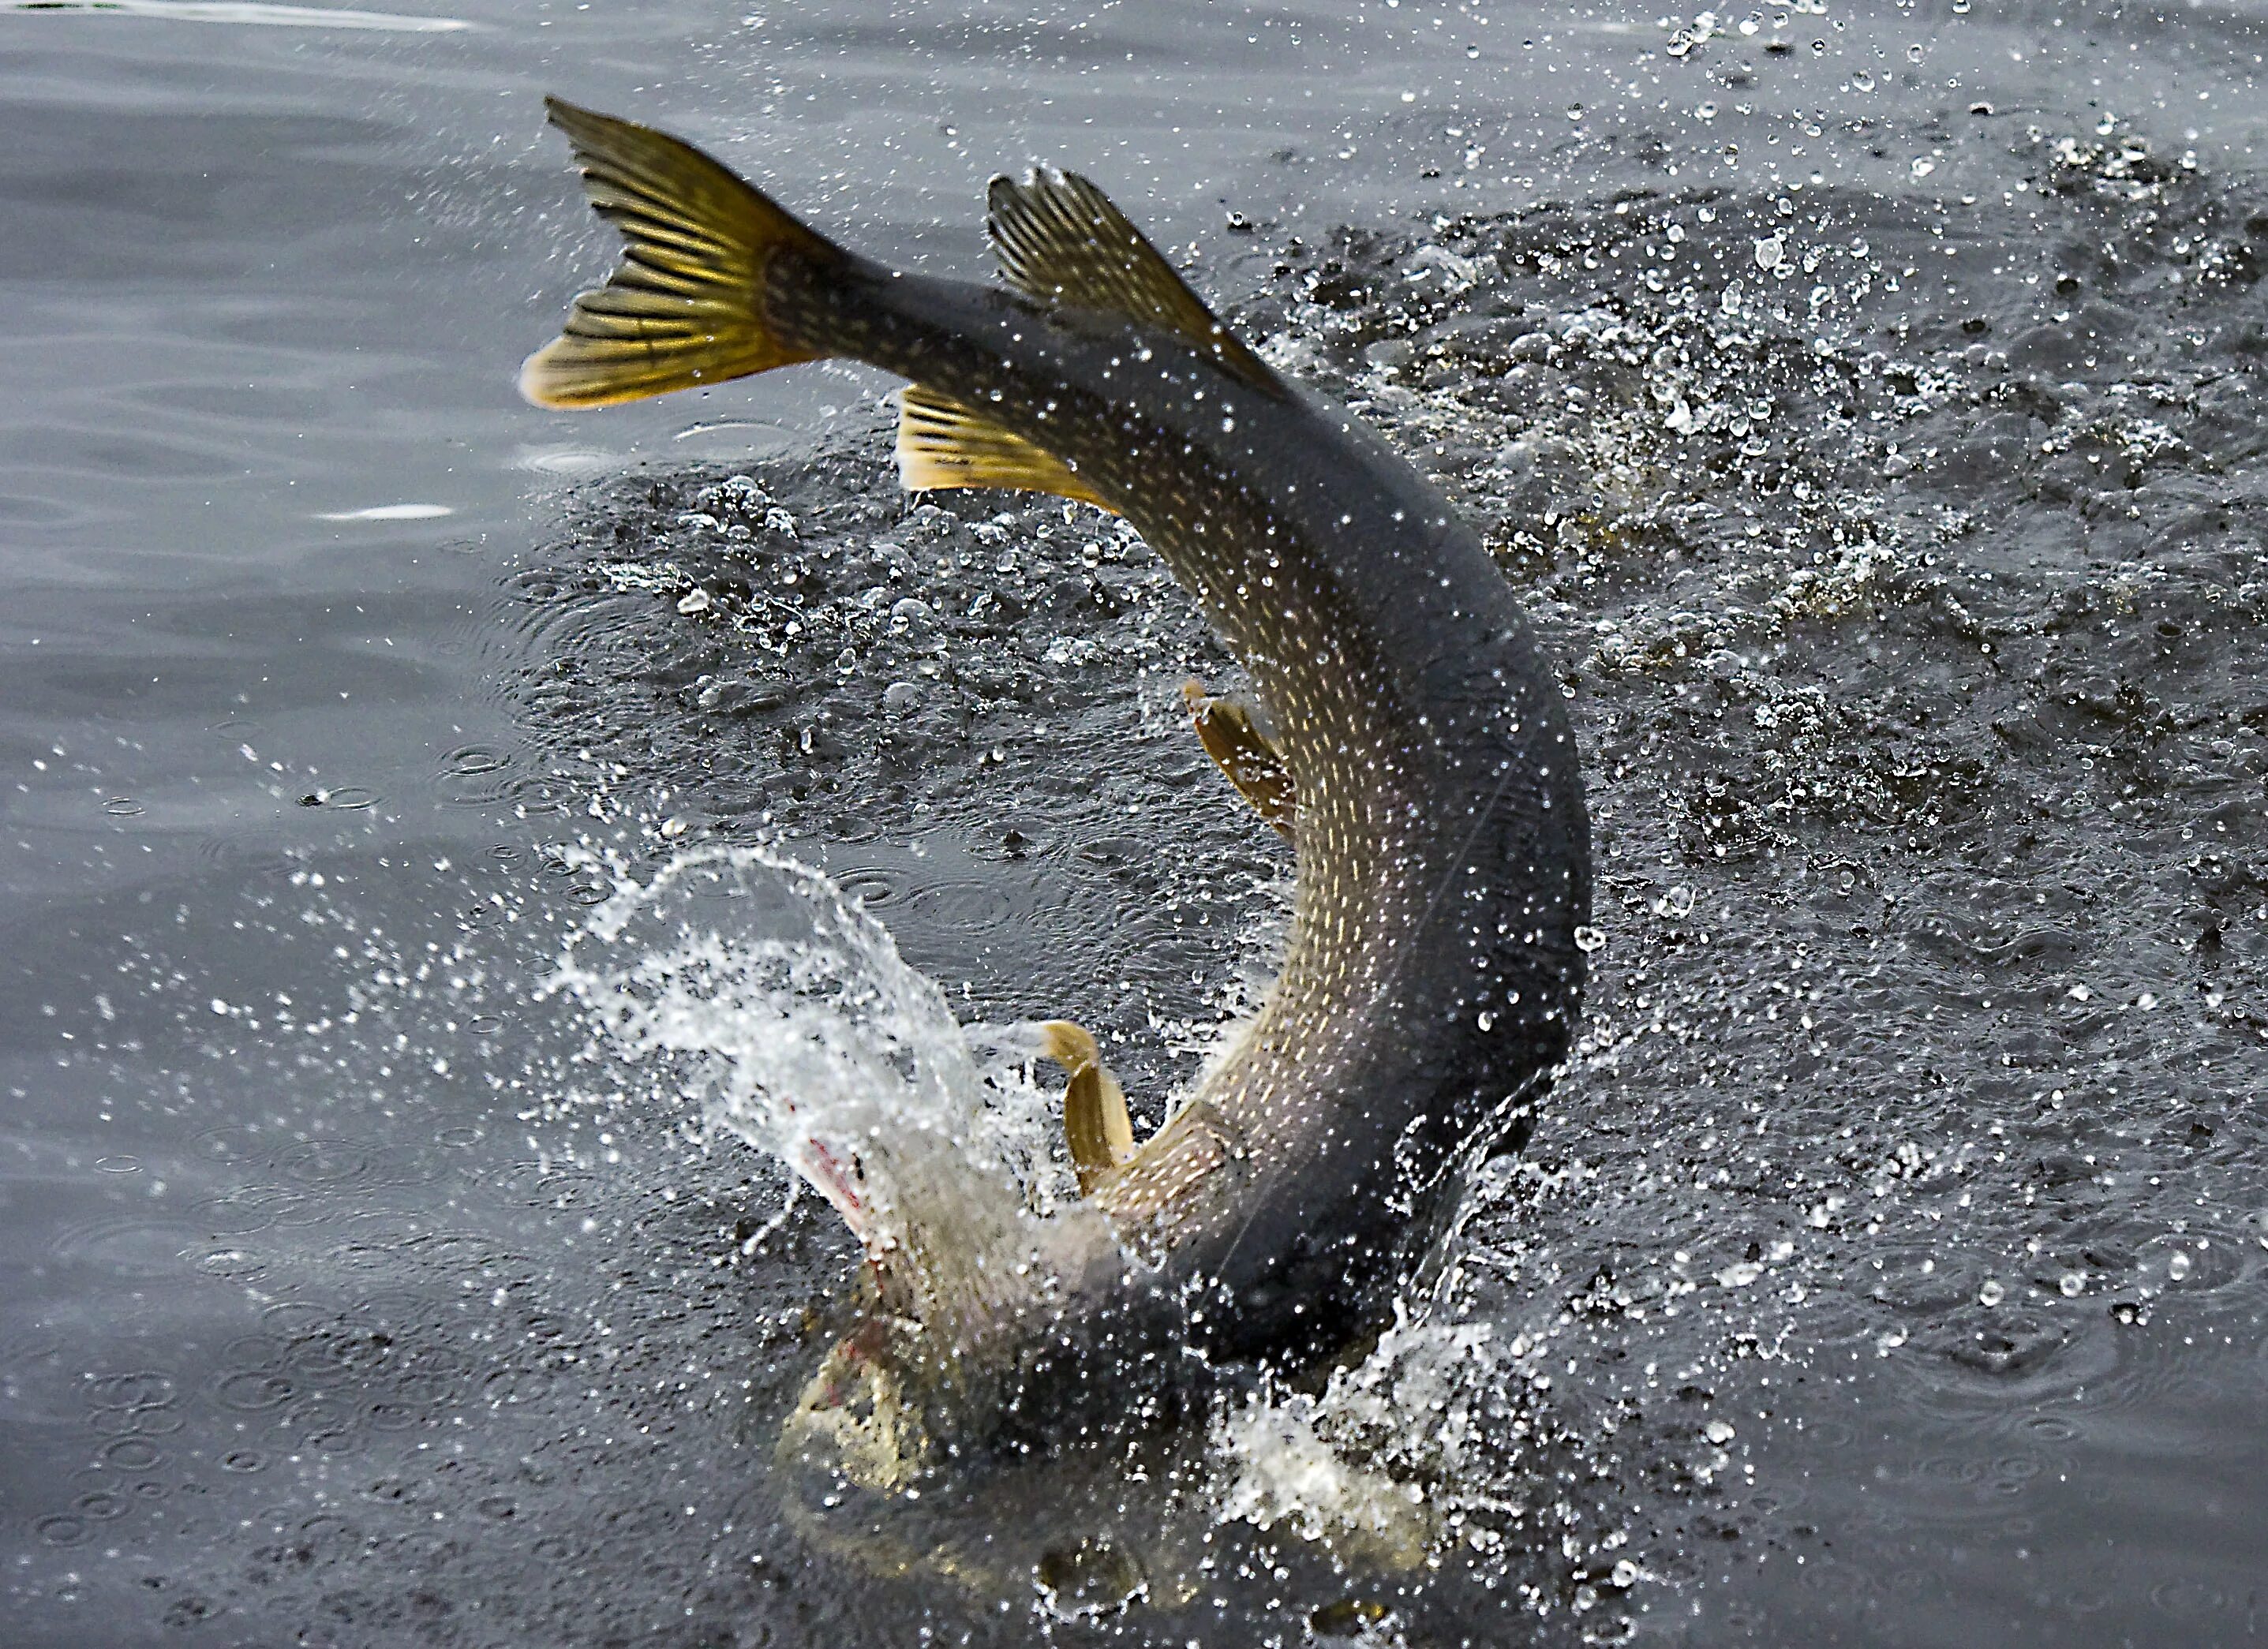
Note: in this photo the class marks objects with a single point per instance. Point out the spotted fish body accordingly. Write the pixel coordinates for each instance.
(1431, 975)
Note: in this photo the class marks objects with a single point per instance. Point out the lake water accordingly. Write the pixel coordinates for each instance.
(1865, 402)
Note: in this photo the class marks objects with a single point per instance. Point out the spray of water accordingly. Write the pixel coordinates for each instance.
(751, 985)
(747, 984)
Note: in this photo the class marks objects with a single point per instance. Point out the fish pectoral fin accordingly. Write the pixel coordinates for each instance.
(684, 306)
(1231, 737)
(1095, 1123)
(1059, 240)
(943, 443)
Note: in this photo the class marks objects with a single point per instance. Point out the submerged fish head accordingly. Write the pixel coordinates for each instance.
(865, 1416)
(949, 1341)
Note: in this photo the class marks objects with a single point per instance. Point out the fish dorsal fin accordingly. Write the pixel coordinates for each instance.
(1059, 240)
(943, 443)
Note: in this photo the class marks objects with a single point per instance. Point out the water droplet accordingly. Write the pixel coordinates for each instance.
(1719, 1432)
(693, 601)
(1992, 1293)
(1589, 938)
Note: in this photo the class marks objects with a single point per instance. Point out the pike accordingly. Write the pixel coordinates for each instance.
(1408, 737)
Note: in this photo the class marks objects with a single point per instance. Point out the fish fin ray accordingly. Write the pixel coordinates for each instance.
(943, 443)
(1096, 1125)
(1059, 240)
(684, 306)
(1232, 738)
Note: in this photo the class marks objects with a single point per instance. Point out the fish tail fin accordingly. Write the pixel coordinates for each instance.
(686, 305)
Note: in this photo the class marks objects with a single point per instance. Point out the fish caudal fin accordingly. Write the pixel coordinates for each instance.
(685, 306)
(1059, 240)
(1095, 1123)
(943, 443)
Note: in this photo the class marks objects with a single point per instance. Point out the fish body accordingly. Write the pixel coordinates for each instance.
(1431, 975)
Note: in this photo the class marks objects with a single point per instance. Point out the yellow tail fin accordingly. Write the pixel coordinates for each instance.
(686, 305)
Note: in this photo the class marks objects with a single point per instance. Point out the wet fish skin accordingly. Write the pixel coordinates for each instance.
(1430, 978)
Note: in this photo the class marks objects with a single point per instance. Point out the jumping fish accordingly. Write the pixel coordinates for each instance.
(1408, 736)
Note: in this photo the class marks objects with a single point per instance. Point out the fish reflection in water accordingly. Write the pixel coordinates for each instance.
(1403, 732)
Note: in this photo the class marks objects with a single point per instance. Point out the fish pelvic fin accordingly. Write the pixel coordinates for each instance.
(1232, 738)
(685, 306)
(1096, 1126)
(943, 443)
(1059, 240)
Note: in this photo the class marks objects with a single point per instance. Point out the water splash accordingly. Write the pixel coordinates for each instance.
(748, 983)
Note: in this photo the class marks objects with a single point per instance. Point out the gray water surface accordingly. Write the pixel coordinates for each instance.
(1865, 404)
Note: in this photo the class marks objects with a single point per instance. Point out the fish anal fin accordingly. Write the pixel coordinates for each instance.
(1096, 1125)
(684, 308)
(943, 444)
(1231, 737)
(1059, 240)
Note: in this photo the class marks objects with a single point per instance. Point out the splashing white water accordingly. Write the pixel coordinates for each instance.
(1436, 1439)
(748, 983)
(1393, 1453)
